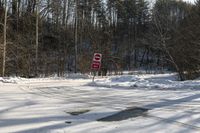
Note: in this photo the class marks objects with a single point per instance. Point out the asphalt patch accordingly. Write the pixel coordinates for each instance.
(125, 114)
(68, 122)
(78, 112)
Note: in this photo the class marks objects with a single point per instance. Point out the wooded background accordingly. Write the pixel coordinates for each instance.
(44, 37)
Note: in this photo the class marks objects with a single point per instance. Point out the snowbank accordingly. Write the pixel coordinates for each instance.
(9, 79)
(142, 81)
(16, 80)
(147, 81)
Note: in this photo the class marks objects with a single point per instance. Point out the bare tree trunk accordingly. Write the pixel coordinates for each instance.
(65, 18)
(4, 39)
(142, 60)
(18, 38)
(64, 12)
(171, 59)
(36, 37)
(76, 36)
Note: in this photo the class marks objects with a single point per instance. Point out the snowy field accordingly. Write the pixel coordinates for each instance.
(75, 105)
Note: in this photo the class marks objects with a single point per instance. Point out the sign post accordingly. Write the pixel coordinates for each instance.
(96, 63)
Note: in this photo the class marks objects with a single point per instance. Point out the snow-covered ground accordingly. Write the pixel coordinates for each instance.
(55, 105)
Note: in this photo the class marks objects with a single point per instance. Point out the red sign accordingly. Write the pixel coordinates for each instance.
(96, 62)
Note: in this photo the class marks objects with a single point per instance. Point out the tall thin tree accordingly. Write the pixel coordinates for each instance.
(76, 35)
(4, 38)
(36, 36)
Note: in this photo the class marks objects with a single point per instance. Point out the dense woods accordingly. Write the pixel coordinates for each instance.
(44, 37)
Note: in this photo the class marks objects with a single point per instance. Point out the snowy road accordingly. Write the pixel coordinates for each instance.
(48, 106)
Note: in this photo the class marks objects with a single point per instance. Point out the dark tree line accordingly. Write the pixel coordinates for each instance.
(58, 36)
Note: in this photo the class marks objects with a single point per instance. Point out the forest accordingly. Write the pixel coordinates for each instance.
(45, 37)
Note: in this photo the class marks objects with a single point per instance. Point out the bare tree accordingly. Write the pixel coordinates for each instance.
(37, 35)
(76, 35)
(4, 38)
(166, 18)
